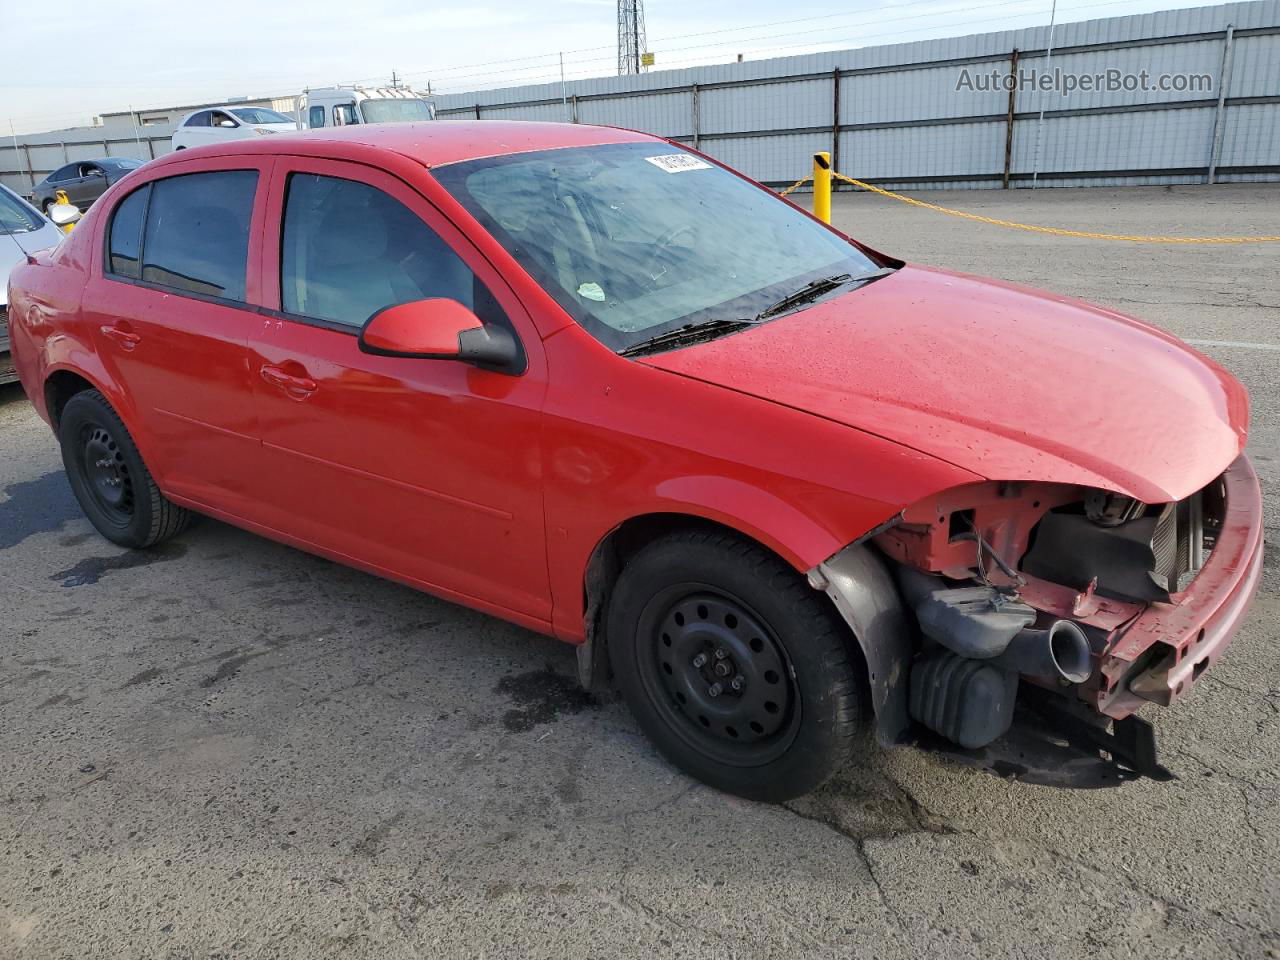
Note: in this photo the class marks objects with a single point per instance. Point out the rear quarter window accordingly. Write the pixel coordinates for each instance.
(124, 244)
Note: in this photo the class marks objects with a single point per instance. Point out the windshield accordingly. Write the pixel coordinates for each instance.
(121, 163)
(395, 111)
(16, 216)
(255, 115)
(636, 239)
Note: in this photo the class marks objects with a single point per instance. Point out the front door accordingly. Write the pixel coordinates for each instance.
(179, 282)
(425, 470)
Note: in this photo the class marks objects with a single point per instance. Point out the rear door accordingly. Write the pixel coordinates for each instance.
(425, 470)
(173, 300)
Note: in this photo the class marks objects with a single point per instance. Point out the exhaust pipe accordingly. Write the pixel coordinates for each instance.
(1060, 652)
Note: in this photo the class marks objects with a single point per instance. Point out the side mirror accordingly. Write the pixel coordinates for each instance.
(64, 214)
(439, 329)
(226, 123)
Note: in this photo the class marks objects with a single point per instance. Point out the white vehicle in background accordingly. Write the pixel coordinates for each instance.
(341, 106)
(23, 230)
(218, 124)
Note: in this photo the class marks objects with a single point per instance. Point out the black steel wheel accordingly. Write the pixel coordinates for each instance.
(736, 668)
(109, 478)
(100, 461)
(719, 674)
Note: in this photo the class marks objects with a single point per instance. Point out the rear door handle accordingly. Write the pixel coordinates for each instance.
(296, 386)
(126, 338)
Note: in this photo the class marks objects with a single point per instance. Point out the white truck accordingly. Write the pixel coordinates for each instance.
(340, 106)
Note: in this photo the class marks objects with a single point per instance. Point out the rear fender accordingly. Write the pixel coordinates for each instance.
(74, 358)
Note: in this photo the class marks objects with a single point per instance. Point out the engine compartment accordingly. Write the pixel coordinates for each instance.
(1021, 591)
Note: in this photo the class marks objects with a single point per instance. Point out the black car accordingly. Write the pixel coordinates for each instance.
(84, 180)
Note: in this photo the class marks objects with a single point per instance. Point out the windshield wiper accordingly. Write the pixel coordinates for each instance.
(817, 288)
(709, 329)
(689, 333)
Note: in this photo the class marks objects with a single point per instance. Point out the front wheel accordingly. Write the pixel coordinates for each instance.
(108, 477)
(737, 670)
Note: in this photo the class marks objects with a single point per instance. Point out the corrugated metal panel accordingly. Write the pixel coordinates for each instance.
(936, 108)
(906, 119)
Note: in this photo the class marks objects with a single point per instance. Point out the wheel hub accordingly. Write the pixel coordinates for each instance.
(723, 672)
(106, 472)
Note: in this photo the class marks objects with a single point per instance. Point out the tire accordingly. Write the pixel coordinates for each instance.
(698, 608)
(109, 479)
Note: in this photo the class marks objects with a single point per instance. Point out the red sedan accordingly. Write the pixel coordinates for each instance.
(787, 490)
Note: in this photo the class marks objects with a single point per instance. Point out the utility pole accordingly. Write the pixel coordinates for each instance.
(631, 38)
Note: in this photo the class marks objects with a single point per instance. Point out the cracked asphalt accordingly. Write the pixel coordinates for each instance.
(226, 748)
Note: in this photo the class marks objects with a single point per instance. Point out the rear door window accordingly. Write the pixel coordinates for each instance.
(196, 237)
(200, 119)
(315, 117)
(69, 172)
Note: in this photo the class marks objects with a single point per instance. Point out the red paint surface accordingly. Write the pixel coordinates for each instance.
(1009, 383)
(421, 328)
(494, 490)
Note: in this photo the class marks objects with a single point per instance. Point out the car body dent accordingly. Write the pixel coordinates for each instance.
(1011, 384)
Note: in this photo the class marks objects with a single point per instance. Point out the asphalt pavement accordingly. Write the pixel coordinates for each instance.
(227, 748)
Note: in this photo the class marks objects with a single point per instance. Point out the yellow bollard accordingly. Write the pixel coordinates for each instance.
(822, 186)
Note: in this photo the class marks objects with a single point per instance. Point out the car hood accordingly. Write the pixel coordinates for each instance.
(1008, 383)
(11, 253)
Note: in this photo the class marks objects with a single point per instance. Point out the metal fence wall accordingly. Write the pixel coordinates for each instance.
(893, 114)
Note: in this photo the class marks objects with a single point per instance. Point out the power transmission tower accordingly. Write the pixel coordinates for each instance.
(631, 41)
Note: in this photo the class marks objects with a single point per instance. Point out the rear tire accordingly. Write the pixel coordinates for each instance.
(697, 610)
(109, 478)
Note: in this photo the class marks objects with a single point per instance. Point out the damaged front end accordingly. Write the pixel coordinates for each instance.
(1031, 620)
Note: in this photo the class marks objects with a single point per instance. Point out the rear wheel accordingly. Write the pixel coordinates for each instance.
(109, 478)
(733, 665)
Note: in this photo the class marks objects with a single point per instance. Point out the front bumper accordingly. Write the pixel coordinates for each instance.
(1157, 656)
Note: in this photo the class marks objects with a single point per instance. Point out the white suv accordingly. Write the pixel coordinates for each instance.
(217, 124)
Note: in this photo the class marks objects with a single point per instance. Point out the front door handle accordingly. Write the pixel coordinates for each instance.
(126, 338)
(295, 386)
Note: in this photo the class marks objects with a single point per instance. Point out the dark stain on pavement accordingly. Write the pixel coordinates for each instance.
(541, 696)
(92, 569)
(146, 676)
(36, 506)
(229, 668)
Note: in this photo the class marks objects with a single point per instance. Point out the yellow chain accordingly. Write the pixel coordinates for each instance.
(796, 186)
(1034, 229)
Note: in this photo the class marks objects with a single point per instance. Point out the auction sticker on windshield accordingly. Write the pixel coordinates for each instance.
(679, 163)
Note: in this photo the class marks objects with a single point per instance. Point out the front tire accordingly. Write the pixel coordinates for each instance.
(737, 670)
(109, 478)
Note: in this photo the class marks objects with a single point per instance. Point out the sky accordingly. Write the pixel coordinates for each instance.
(153, 53)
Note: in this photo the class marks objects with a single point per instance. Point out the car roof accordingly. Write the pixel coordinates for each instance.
(436, 143)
